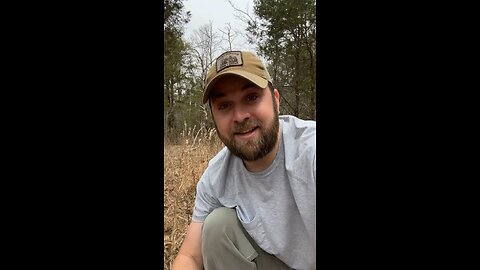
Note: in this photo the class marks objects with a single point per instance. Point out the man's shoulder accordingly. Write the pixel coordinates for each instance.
(218, 163)
(298, 130)
(296, 122)
(299, 137)
(220, 157)
(299, 142)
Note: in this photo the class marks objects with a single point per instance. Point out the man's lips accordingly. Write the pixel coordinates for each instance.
(247, 134)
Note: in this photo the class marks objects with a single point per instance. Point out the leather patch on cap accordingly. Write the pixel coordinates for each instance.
(229, 59)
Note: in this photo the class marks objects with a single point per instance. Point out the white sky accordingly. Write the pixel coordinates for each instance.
(219, 12)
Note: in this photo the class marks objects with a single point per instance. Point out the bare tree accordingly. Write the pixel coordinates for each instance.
(250, 21)
(204, 46)
(242, 15)
(229, 35)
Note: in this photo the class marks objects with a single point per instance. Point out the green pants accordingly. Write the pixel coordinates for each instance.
(226, 245)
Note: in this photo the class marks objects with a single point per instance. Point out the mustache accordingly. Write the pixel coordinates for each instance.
(245, 126)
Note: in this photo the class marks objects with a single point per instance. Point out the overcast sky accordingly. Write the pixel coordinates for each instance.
(219, 12)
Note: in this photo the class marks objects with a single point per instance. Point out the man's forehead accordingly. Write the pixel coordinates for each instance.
(219, 91)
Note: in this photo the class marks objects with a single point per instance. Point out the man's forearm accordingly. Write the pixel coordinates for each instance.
(184, 262)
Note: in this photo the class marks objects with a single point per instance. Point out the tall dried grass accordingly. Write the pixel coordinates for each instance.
(185, 159)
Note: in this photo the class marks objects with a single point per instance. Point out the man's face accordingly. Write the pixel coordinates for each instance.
(246, 117)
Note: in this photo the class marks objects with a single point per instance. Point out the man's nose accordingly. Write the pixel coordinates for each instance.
(240, 114)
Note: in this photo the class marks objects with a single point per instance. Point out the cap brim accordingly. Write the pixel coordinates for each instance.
(257, 80)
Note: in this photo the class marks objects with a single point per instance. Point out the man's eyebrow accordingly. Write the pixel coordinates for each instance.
(217, 94)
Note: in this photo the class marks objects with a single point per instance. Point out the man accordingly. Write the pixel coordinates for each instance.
(256, 202)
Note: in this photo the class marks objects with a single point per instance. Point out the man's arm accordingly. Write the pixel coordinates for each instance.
(190, 254)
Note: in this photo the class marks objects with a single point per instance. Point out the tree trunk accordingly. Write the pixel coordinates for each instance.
(297, 84)
(170, 111)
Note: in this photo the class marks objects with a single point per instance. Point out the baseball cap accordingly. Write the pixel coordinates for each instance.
(241, 63)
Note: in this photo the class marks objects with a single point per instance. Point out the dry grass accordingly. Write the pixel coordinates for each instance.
(184, 164)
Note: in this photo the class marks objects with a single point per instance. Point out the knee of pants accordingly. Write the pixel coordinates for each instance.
(217, 226)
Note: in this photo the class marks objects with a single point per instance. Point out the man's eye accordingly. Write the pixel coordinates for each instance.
(252, 97)
(223, 106)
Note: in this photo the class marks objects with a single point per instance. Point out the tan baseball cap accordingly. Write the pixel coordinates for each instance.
(240, 63)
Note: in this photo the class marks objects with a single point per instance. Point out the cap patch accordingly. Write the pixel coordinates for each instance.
(229, 59)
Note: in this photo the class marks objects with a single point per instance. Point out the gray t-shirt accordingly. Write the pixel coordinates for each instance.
(277, 206)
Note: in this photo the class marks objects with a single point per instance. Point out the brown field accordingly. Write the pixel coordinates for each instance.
(185, 162)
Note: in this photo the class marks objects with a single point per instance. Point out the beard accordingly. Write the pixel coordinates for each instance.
(257, 148)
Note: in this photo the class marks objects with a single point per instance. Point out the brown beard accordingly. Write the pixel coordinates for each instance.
(253, 149)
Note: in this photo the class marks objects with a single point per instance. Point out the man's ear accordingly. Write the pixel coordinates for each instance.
(277, 98)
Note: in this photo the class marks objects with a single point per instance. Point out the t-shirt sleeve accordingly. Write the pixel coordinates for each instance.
(205, 201)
